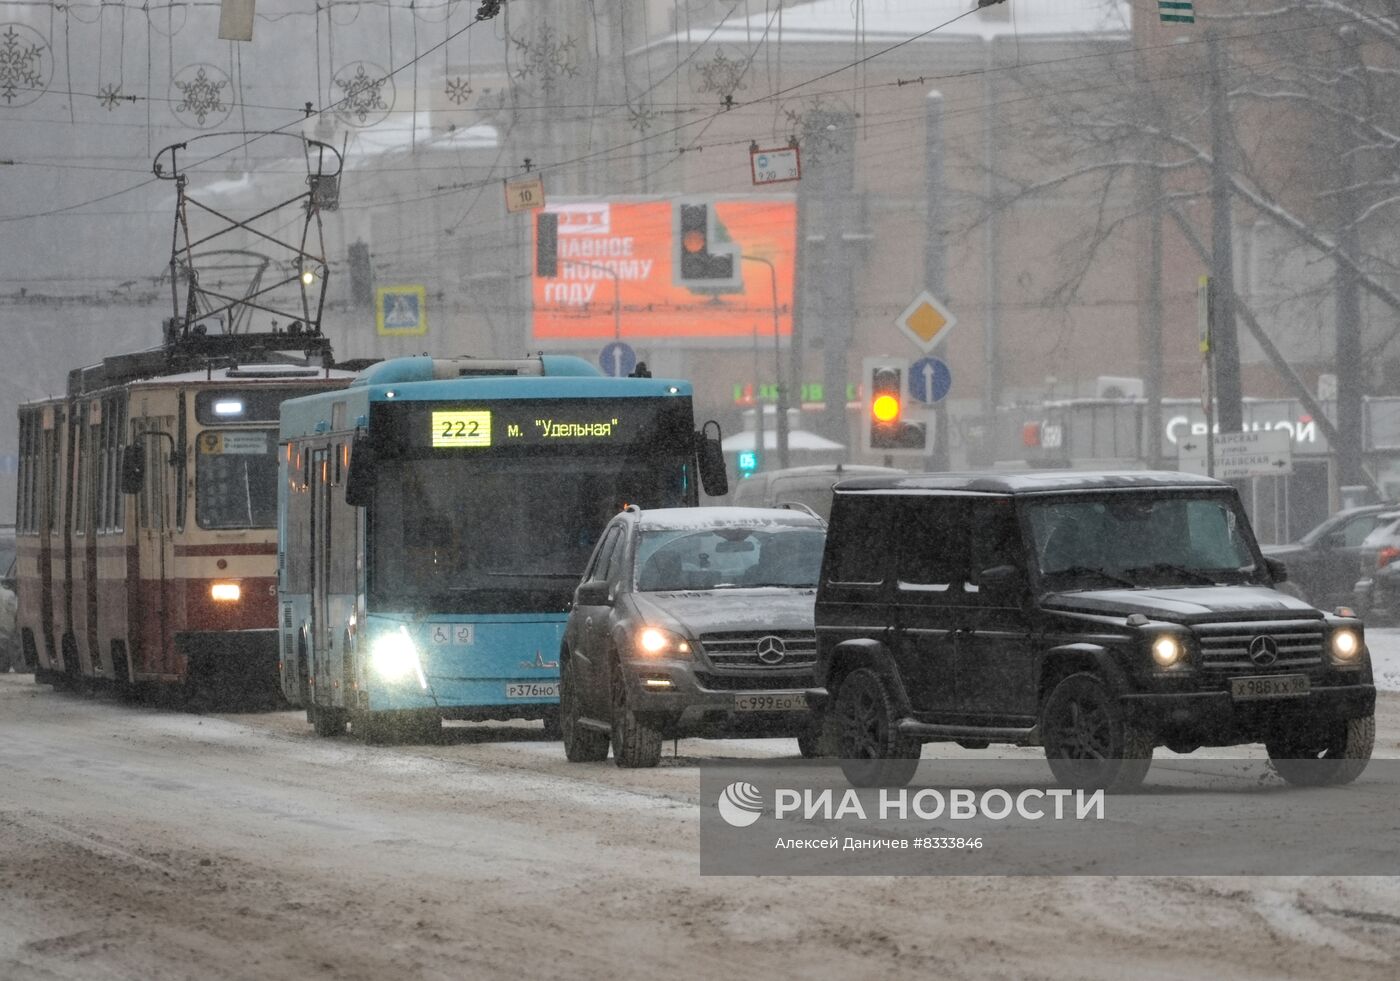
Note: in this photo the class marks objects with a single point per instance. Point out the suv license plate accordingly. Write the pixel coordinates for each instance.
(791, 702)
(533, 689)
(1280, 686)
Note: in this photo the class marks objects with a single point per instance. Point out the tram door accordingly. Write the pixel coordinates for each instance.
(154, 639)
(320, 570)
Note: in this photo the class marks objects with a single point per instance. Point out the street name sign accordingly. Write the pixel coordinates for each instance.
(1261, 453)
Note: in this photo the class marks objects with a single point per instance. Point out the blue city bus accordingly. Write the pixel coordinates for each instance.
(434, 519)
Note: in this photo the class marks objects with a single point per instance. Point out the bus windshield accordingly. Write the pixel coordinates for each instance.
(236, 478)
(502, 535)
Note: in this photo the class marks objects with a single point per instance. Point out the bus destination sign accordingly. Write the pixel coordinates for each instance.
(453, 429)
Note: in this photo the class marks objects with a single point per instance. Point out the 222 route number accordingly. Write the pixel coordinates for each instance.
(454, 429)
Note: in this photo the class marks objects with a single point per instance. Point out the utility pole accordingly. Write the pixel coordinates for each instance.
(1225, 345)
(935, 252)
(1150, 310)
(833, 170)
(1350, 426)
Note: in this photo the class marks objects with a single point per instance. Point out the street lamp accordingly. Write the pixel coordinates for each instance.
(777, 370)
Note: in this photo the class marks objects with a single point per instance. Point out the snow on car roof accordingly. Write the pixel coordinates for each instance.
(701, 518)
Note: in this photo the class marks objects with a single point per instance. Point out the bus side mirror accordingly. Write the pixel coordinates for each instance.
(713, 475)
(133, 468)
(359, 481)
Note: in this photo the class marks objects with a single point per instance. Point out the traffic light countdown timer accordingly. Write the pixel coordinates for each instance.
(888, 428)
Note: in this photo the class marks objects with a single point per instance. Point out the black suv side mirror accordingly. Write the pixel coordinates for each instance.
(1278, 572)
(592, 593)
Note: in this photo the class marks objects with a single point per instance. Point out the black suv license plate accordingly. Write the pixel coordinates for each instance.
(1276, 686)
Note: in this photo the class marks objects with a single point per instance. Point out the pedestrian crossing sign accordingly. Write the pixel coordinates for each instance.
(401, 311)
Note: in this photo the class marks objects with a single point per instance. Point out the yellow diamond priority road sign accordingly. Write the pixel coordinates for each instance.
(926, 321)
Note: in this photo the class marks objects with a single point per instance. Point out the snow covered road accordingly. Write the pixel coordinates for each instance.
(137, 843)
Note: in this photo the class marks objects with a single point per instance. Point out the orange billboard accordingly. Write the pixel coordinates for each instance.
(692, 272)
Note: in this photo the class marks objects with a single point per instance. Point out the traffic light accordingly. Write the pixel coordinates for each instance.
(887, 428)
(702, 260)
(748, 463)
(546, 244)
(361, 275)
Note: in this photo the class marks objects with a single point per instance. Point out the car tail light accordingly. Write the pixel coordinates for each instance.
(1387, 555)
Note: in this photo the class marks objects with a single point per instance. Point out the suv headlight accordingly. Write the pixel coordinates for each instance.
(1346, 646)
(656, 642)
(1167, 650)
(394, 657)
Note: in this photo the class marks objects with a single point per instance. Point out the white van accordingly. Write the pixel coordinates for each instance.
(800, 485)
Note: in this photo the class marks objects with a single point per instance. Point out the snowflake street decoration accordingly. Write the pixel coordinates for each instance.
(641, 117)
(722, 75)
(25, 65)
(546, 60)
(809, 121)
(364, 89)
(109, 95)
(197, 95)
(459, 90)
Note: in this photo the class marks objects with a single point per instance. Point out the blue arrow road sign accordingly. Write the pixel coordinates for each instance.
(930, 379)
(618, 359)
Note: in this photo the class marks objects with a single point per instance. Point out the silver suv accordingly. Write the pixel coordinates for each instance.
(695, 622)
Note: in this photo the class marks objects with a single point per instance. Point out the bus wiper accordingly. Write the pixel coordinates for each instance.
(568, 576)
(1180, 570)
(1085, 570)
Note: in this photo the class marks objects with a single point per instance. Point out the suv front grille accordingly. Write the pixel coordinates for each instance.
(1225, 646)
(754, 681)
(759, 649)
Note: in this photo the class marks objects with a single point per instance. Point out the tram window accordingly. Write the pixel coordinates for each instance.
(236, 478)
(224, 406)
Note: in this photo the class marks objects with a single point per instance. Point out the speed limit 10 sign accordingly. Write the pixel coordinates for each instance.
(525, 194)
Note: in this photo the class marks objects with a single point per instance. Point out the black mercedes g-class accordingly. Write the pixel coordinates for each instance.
(1098, 615)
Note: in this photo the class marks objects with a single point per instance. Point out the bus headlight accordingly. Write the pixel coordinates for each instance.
(1166, 650)
(395, 658)
(225, 592)
(655, 642)
(1346, 646)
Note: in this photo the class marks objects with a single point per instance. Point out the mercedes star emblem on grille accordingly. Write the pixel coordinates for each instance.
(771, 650)
(1263, 650)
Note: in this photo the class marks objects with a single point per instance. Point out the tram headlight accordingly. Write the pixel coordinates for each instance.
(225, 592)
(394, 657)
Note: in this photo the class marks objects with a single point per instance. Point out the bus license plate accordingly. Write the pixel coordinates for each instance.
(1280, 686)
(533, 689)
(790, 702)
